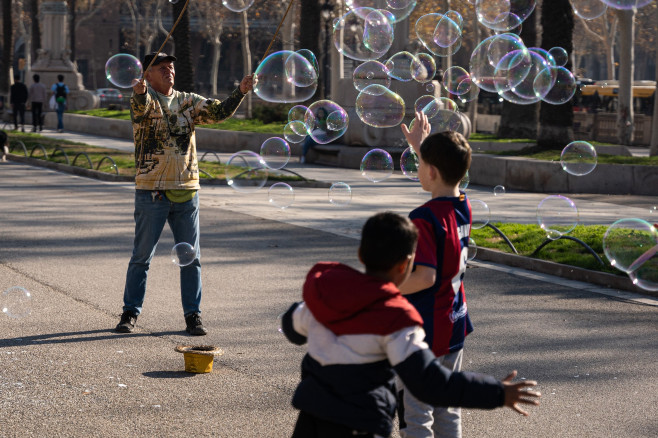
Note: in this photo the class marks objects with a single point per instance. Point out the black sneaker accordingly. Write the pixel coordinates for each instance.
(194, 325)
(127, 322)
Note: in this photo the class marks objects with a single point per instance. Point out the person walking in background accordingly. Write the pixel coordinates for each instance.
(167, 180)
(37, 96)
(61, 92)
(18, 98)
(4, 144)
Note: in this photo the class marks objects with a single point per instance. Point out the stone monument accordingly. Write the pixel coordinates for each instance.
(53, 58)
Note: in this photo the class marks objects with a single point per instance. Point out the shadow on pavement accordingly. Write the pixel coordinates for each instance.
(82, 336)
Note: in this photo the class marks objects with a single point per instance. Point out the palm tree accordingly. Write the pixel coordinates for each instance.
(183, 49)
(556, 121)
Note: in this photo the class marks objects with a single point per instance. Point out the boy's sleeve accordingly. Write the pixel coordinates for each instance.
(426, 249)
(435, 384)
(214, 111)
(294, 323)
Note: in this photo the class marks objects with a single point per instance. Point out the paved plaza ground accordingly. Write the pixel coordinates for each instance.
(64, 372)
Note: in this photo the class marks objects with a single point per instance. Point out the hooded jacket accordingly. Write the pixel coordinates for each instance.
(360, 332)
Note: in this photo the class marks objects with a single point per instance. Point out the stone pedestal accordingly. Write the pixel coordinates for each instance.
(54, 58)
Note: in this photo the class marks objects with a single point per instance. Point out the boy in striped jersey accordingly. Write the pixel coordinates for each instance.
(361, 332)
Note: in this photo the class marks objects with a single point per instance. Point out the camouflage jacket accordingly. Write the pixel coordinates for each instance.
(165, 140)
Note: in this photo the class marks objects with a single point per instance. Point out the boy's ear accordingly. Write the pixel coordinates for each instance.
(359, 254)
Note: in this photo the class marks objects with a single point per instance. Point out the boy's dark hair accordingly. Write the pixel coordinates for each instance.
(386, 240)
(36, 77)
(450, 153)
(60, 78)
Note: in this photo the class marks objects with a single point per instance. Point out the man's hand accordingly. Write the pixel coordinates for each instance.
(140, 86)
(248, 83)
(419, 131)
(516, 393)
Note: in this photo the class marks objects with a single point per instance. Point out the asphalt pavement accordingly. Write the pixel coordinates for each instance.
(64, 372)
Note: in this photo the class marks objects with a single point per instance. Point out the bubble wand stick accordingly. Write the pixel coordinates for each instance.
(277, 29)
(167, 38)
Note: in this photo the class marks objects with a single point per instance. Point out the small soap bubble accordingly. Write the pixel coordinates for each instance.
(578, 158)
(560, 56)
(629, 243)
(123, 70)
(557, 214)
(377, 165)
(423, 68)
(480, 214)
(499, 190)
(563, 85)
(472, 249)
(429, 87)
(400, 66)
(183, 254)
(457, 81)
(463, 184)
(325, 121)
(340, 194)
(297, 113)
(337, 120)
(409, 164)
(281, 195)
(237, 5)
(16, 302)
(275, 152)
(294, 132)
(371, 72)
(246, 171)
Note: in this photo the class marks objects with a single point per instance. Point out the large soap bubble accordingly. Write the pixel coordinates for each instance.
(446, 41)
(325, 121)
(557, 215)
(246, 171)
(350, 29)
(589, 9)
(379, 107)
(377, 32)
(629, 243)
(123, 70)
(237, 5)
(286, 76)
(578, 158)
(297, 112)
(369, 73)
(492, 60)
(563, 88)
(377, 165)
(183, 254)
(400, 66)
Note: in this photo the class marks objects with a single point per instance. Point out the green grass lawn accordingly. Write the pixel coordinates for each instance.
(554, 155)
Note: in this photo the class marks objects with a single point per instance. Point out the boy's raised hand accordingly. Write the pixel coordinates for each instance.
(419, 131)
(516, 393)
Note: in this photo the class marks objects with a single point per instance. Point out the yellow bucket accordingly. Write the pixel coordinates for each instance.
(199, 358)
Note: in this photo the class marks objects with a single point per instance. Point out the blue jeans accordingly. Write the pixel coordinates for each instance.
(60, 115)
(151, 213)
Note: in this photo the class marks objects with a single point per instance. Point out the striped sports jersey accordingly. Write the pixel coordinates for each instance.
(444, 226)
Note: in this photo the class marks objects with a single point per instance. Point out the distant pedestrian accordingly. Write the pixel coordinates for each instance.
(37, 96)
(61, 96)
(4, 141)
(18, 98)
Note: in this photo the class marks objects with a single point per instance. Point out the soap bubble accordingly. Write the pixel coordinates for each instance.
(499, 190)
(123, 70)
(563, 85)
(589, 9)
(183, 254)
(377, 165)
(629, 243)
(297, 112)
(369, 73)
(275, 152)
(423, 68)
(480, 214)
(349, 31)
(441, 113)
(465, 181)
(447, 32)
(394, 14)
(409, 164)
(322, 118)
(557, 214)
(457, 81)
(340, 194)
(246, 171)
(646, 276)
(499, 62)
(379, 107)
(377, 32)
(286, 76)
(503, 15)
(294, 132)
(16, 302)
(578, 158)
(310, 57)
(522, 79)
(472, 249)
(281, 195)
(237, 5)
(626, 4)
(400, 66)
(560, 56)
(429, 87)
(444, 42)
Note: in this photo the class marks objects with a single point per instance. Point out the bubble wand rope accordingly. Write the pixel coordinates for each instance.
(277, 29)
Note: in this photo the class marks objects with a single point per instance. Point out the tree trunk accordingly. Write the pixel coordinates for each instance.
(653, 149)
(556, 121)
(183, 48)
(520, 121)
(246, 60)
(309, 31)
(626, 60)
(214, 70)
(7, 47)
(72, 7)
(35, 29)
